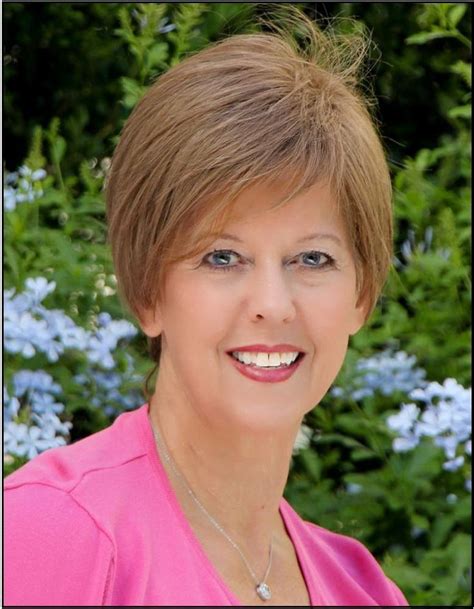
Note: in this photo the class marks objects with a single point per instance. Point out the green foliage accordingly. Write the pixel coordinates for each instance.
(187, 19)
(440, 20)
(139, 31)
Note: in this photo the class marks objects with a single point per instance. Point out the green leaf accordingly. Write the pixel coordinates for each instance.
(12, 261)
(461, 112)
(336, 438)
(58, 148)
(456, 13)
(463, 69)
(423, 37)
(35, 158)
(312, 464)
(157, 56)
(361, 454)
(441, 529)
(133, 91)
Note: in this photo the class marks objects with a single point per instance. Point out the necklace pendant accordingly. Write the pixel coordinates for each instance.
(263, 591)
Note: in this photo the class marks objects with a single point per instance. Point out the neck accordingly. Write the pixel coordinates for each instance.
(238, 477)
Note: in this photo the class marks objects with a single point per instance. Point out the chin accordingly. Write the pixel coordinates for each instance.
(262, 416)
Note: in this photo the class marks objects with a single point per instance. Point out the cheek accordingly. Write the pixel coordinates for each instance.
(331, 312)
(198, 310)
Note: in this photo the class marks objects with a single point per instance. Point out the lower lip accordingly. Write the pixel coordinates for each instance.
(266, 375)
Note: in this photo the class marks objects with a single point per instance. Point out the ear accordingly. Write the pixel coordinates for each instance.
(360, 315)
(150, 322)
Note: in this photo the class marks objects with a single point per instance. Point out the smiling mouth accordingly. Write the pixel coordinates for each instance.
(259, 367)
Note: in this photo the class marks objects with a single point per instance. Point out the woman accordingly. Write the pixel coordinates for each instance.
(250, 223)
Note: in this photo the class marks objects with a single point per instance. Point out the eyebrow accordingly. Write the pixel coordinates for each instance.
(328, 236)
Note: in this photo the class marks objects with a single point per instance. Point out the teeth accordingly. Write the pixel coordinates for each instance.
(265, 360)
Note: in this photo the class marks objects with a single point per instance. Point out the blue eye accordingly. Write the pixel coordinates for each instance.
(320, 259)
(213, 260)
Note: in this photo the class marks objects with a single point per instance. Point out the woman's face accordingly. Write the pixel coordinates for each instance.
(276, 276)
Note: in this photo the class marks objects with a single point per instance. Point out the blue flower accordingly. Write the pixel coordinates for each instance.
(353, 488)
(451, 498)
(34, 380)
(98, 352)
(51, 426)
(24, 441)
(9, 198)
(453, 464)
(39, 288)
(403, 422)
(23, 333)
(21, 303)
(38, 175)
(44, 403)
(446, 418)
(112, 331)
(406, 443)
(25, 171)
(103, 319)
(385, 373)
(11, 405)
(63, 329)
(22, 187)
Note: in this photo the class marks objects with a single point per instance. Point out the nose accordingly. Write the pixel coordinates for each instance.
(270, 295)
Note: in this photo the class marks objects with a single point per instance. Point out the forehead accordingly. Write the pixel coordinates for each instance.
(265, 207)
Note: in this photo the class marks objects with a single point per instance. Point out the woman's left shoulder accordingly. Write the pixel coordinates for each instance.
(345, 559)
(357, 561)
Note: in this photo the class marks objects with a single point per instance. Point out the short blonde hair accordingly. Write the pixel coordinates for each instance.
(250, 108)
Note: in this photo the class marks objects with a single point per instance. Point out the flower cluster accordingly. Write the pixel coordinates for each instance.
(443, 412)
(387, 373)
(30, 328)
(31, 414)
(23, 186)
(105, 389)
(445, 417)
(36, 390)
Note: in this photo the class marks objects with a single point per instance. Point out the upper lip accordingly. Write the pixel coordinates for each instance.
(282, 348)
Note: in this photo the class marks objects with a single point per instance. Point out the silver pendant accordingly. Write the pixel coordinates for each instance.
(263, 591)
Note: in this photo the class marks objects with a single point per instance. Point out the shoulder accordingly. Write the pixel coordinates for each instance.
(345, 559)
(55, 551)
(357, 562)
(65, 467)
(76, 490)
(349, 552)
(60, 510)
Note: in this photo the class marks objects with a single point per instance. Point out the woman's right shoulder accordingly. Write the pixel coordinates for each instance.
(65, 467)
(61, 514)
(55, 551)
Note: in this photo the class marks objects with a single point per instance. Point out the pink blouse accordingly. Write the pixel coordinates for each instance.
(97, 523)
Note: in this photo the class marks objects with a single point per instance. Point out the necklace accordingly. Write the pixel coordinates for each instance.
(261, 587)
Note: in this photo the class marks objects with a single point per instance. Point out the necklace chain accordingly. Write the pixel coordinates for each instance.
(262, 588)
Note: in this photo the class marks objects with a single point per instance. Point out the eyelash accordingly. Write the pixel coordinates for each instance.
(330, 263)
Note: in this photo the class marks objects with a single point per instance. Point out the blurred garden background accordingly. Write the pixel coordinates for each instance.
(386, 456)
